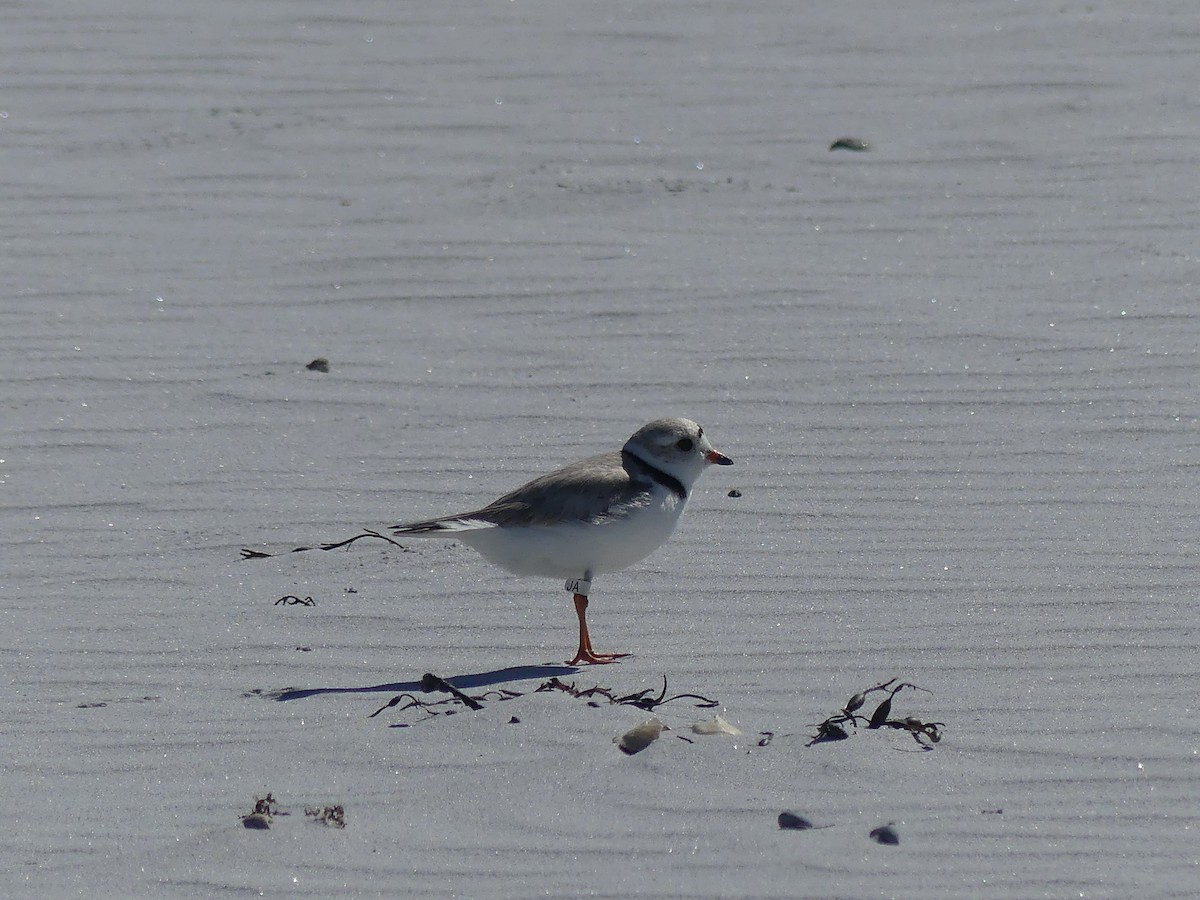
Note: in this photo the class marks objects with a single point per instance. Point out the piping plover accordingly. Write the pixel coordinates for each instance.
(598, 515)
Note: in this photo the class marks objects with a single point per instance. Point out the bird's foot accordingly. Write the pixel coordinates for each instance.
(592, 658)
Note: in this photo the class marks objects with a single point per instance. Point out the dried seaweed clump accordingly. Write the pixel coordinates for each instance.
(833, 728)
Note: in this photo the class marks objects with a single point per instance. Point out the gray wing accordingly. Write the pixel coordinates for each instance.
(591, 490)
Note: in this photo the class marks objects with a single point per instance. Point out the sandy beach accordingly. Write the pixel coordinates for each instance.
(956, 371)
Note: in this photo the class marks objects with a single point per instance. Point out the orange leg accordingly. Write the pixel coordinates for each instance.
(586, 654)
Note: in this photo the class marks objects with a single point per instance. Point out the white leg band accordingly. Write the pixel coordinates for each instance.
(578, 586)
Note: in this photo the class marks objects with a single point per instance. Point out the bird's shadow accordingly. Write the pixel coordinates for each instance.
(472, 680)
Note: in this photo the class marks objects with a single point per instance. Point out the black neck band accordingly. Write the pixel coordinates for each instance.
(634, 464)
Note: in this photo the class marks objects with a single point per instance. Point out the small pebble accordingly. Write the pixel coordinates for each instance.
(320, 364)
(734, 493)
(791, 821)
(257, 820)
(885, 834)
(850, 143)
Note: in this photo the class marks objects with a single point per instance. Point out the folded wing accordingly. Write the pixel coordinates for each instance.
(593, 490)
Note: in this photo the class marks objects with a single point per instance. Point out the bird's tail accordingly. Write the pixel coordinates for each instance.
(439, 527)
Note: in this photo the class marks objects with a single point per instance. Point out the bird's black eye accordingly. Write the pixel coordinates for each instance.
(685, 444)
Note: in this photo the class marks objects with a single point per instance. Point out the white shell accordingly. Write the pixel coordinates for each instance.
(642, 736)
(715, 725)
